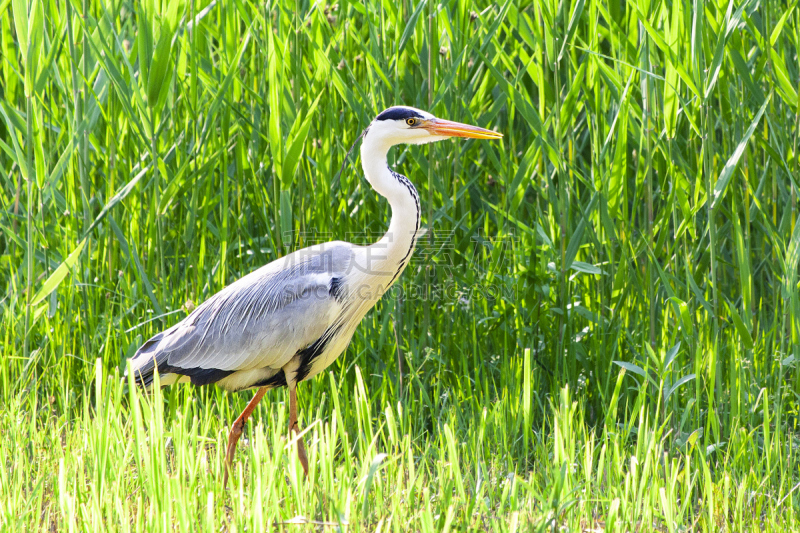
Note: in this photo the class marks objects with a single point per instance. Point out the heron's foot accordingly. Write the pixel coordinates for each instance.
(301, 448)
(230, 451)
(236, 431)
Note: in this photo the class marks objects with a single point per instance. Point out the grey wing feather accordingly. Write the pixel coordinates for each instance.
(259, 321)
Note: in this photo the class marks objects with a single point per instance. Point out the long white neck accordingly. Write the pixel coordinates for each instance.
(391, 253)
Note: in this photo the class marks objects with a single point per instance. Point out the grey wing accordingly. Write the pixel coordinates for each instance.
(260, 321)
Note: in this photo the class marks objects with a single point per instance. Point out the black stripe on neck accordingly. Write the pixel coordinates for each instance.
(415, 195)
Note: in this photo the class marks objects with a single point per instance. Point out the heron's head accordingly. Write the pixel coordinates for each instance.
(408, 125)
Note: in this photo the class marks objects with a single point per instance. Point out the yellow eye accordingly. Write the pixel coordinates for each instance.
(411, 121)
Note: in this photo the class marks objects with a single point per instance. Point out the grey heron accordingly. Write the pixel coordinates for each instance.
(287, 321)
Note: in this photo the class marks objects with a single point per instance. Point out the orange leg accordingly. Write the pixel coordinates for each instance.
(236, 430)
(295, 428)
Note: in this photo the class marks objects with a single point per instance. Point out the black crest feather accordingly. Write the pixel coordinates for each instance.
(399, 113)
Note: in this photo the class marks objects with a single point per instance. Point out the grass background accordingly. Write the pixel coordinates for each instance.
(600, 330)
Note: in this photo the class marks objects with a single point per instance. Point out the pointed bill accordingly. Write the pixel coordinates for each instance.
(447, 128)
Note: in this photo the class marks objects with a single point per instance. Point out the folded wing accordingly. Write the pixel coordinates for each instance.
(260, 321)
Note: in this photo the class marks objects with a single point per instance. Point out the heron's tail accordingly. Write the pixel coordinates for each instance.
(146, 362)
(153, 358)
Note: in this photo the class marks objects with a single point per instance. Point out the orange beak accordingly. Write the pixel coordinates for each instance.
(446, 128)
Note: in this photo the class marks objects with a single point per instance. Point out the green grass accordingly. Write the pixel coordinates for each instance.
(601, 331)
